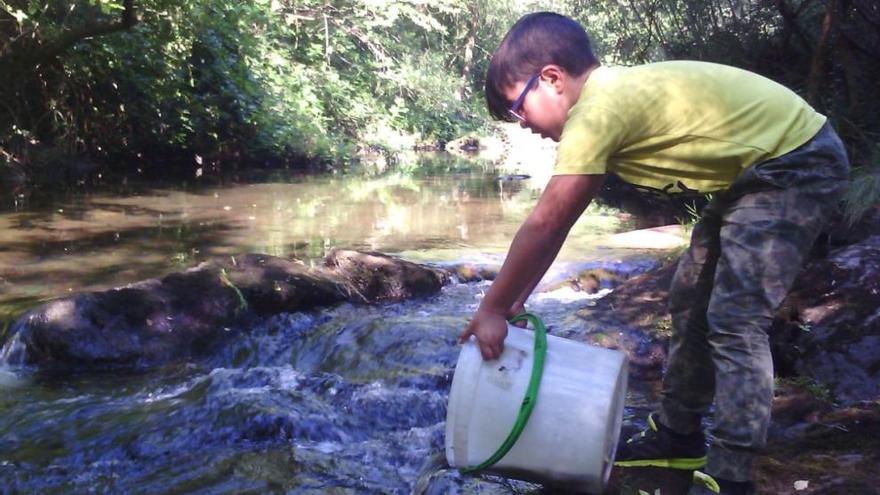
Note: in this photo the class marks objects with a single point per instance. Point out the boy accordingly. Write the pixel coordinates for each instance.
(776, 168)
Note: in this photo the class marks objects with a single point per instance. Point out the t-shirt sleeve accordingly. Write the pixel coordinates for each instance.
(590, 136)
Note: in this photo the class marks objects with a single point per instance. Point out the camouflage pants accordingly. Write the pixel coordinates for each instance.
(745, 252)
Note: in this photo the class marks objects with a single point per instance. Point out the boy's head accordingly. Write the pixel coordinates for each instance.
(543, 53)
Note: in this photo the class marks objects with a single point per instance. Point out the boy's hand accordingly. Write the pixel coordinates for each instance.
(490, 329)
(517, 309)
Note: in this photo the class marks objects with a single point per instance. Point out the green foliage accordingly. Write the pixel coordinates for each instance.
(826, 50)
(224, 279)
(313, 80)
(691, 216)
(277, 79)
(663, 326)
(815, 388)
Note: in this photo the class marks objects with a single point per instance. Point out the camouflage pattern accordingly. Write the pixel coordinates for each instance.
(749, 245)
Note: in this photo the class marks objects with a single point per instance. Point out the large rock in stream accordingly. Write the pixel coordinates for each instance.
(159, 321)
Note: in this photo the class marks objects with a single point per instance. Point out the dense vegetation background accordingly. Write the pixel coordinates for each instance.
(165, 87)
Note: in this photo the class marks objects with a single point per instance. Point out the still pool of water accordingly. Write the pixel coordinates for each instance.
(348, 400)
(95, 241)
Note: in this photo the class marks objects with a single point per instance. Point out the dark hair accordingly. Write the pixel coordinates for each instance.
(534, 41)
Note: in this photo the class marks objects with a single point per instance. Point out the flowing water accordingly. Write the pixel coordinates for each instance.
(350, 399)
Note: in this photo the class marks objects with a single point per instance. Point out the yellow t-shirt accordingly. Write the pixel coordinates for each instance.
(672, 124)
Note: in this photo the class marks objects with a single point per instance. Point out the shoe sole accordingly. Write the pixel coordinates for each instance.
(685, 463)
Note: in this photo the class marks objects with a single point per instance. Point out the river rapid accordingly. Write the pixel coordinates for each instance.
(348, 400)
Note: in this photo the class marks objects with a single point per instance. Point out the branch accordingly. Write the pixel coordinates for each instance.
(356, 33)
(70, 38)
(816, 64)
(790, 19)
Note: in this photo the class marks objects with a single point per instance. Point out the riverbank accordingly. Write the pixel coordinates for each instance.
(825, 432)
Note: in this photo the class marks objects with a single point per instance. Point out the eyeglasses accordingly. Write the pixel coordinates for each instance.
(516, 107)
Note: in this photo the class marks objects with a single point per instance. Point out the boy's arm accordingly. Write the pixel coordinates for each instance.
(531, 253)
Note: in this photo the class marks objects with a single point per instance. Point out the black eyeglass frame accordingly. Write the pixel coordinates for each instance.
(516, 106)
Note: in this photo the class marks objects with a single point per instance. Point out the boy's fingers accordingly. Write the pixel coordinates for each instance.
(467, 332)
(490, 352)
(487, 352)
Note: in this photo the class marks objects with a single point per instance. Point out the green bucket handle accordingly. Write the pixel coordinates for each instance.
(531, 397)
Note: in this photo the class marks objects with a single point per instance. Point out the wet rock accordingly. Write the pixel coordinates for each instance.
(589, 281)
(465, 143)
(272, 285)
(186, 314)
(634, 319)
(469, 272)
(136, 326)
(376, 277)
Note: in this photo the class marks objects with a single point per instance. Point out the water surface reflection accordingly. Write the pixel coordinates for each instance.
(96, 241)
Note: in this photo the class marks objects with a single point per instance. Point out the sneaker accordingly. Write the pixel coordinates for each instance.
(707, 485)
(659, 446)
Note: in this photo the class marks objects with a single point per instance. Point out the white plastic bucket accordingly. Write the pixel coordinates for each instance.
(571, 436)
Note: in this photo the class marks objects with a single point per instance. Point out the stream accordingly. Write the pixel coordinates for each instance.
(346, 400)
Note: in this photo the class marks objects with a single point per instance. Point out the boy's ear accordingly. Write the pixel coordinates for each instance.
(555, 76)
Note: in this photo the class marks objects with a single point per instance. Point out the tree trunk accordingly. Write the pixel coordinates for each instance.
(467, 64)
(790, 19)
(819, 52)
(848, 64)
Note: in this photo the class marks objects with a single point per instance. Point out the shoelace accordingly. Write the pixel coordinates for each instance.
(707, 481)
(651, 426)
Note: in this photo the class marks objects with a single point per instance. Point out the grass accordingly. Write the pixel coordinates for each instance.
(863, 194)
(692, 215)
(242, 302)
(814, 387)
(663, 326)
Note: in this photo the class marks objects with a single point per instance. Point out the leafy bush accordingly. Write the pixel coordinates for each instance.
(208, 83)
